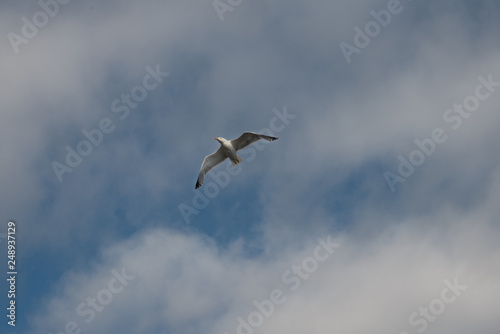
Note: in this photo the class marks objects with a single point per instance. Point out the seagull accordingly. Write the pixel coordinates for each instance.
(228, 149)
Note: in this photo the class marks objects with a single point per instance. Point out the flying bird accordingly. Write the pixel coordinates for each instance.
(228, 149)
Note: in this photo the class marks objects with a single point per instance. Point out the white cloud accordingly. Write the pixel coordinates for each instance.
(186, 283)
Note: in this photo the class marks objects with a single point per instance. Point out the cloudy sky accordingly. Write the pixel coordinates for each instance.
(376, 211)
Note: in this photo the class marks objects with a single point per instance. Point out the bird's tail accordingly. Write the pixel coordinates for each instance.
(237, 160)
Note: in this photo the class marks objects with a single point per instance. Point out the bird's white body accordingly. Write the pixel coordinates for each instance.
(228, 149)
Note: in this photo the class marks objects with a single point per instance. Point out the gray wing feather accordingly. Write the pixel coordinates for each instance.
(248, 138)
(209, 163)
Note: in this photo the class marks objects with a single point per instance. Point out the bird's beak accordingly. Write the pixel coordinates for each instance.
(215, 138)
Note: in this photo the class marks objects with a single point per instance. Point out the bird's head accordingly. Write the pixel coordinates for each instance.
(220, 139)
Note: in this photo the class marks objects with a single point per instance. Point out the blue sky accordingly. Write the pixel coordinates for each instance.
(112, 230)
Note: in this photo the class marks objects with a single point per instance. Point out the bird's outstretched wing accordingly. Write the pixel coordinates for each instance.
(248, 138)
(209, 163)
